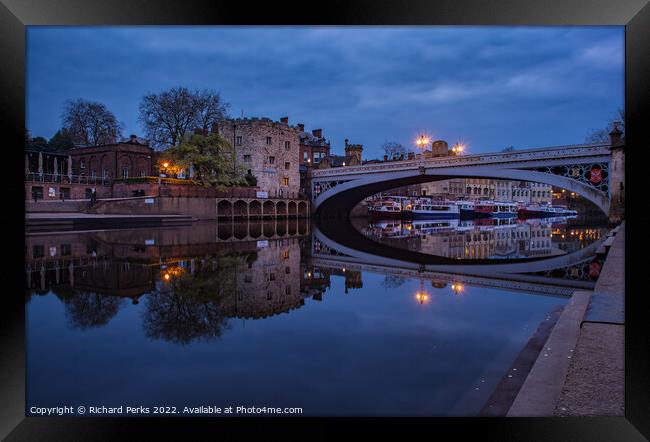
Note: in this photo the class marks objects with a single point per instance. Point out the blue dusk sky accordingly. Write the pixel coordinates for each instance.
(490, 87)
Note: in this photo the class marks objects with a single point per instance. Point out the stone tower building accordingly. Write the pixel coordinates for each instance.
(269, 150)
(439, 148)
(353, 153)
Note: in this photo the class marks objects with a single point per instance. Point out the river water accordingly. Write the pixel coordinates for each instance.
(278, 314)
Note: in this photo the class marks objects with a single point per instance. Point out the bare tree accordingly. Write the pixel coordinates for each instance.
(90, 123)
(210, 109)
(602, 135)
(509, 149)
(169, 116)
(393, 149)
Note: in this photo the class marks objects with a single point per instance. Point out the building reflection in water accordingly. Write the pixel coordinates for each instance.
(192, 281)
(498, 238)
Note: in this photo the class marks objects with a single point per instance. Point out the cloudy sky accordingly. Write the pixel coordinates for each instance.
(490, 87)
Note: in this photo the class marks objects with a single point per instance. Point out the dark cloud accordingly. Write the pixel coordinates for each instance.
(489, 86)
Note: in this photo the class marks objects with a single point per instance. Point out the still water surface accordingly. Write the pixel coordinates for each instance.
(239, 315)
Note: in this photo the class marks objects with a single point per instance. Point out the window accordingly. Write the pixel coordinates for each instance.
(105, 173)
(141, 172)
(318, 156)
(37, 192)
(268, 141)
(305, 156)
(285, 181)
(38, 251)
(287, 270)
(287, 165)
(287, 145)
(93, 173)
(271, 276)
(285, 255)
(271, 160)
(238, 141)
(66, 250)
(82, 164)
(125, 173)
(65, 192)
(287, 290)
(247, 159)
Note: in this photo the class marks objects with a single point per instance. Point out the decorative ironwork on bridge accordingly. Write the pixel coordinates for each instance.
(318, 248)
(585, 270)
(319, 187)
(595, 175)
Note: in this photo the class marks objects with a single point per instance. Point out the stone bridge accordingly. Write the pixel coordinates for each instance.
(584, 169)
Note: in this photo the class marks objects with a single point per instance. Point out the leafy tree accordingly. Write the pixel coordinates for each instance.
(251, 179)
(212, 158)
(62, 140)
(393, 149)
(169, 116)
(90, 123)
(602, 135)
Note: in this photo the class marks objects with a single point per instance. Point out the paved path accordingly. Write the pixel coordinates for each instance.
(580, 370)
(90, 216)
(595, 382)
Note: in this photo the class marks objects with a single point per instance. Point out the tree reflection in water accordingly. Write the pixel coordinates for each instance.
(86, 310)
(192, 306)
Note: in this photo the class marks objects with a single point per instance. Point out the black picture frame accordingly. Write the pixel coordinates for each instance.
(633, 14)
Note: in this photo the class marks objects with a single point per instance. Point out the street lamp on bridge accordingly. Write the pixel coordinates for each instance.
(458, 149)
(422, 141)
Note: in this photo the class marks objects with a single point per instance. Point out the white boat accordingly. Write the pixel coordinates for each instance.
(386, 207)
(426, 208)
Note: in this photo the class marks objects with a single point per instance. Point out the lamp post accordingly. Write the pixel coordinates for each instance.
(458, 149)
(421, 142)
(165, 165)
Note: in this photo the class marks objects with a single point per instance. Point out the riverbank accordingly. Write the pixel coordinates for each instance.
(201, 208)
(580, 371)
(71, 221)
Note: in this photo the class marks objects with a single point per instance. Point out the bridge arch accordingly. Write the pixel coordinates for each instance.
(344, 196)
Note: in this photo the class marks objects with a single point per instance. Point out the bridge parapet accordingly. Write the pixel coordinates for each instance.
(571, 151)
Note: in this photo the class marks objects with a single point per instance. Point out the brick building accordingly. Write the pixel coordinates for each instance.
(269, 150)
(313, 147)
(352, 157)
(128, 158)
(75, 172)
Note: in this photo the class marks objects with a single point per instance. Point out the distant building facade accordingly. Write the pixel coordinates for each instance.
(487, 189)
(313, 146)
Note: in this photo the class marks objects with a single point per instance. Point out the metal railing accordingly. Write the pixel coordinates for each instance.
(36, 177)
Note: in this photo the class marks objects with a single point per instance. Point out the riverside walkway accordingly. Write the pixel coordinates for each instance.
(580, 369)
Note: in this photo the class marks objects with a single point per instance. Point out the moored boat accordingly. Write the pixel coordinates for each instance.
(496, 209)
(466, 209)
(386, 208)
(428, 209)
(544, 210)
